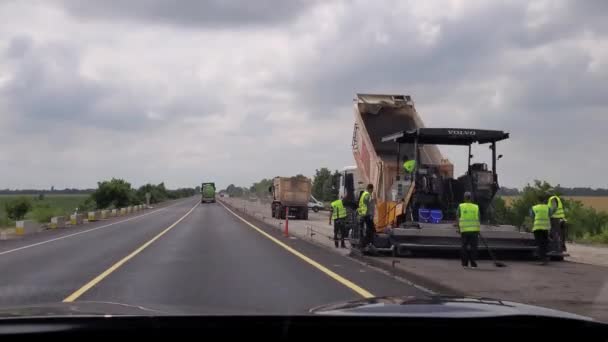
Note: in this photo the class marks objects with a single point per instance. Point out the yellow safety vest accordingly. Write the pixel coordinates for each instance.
(559, 211)
(409, 166)
(469, 218)
(362, 206)
(541, 217)
(338, 210)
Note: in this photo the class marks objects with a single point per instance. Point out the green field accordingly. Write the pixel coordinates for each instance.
(51, 205)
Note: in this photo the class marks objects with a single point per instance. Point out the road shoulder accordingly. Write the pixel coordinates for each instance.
(568, 286)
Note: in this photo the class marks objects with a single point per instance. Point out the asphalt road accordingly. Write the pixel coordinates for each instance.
(186, 257)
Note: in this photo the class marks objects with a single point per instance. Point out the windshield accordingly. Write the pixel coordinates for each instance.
(272, 157)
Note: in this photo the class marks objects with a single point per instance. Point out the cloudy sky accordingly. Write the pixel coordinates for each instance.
(234, 91)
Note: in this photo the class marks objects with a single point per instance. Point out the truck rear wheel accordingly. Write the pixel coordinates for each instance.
(305, 214)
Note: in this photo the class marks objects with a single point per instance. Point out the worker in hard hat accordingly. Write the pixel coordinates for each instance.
(338, 214)
(541, 214)
(469, 227)
(366, 216)
(558, 222)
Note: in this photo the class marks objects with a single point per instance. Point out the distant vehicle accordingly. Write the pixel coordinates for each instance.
(208, 193)
(292, 193)
(253, 198)
(315, 205)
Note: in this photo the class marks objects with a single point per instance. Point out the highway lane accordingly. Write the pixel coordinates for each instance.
(46, 267)
(212, 262)
(183, 258)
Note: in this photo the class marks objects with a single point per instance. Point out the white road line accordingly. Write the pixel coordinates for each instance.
(86, 231)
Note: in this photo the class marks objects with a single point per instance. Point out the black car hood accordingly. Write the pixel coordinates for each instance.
(432, 307)
(440, 307)
(78, 309)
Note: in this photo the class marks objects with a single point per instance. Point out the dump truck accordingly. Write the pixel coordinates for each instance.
(208, 193)
(417, 211)
(290, 194)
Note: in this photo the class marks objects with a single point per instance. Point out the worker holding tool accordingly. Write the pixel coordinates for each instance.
(558, 221)
(540, 215)
(338, 214)
(469, 226)
(366, 215)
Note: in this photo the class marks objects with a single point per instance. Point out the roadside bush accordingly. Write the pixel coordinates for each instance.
(87, 205)
(158, 193)
(601, 238)
(17, 208)
(502, 213)
(116, 192)
(584, 221)
(43, 214)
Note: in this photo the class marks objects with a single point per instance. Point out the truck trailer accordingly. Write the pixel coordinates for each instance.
(290, 194)
(208, 193)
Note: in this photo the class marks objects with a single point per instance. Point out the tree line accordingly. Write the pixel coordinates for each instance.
(576, 191)
(114, 193)
(72, 191)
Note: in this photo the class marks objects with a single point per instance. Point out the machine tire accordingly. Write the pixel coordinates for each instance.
(557, 258)
(315, 209)
(304, 215)
(280, 212)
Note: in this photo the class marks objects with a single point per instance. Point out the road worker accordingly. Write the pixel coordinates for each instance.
(469, 227)
(338, 214)
(558, 223)
(409, 165)
(366, 216)
(541, 214)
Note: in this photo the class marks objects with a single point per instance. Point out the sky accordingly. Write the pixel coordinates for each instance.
(235, 91)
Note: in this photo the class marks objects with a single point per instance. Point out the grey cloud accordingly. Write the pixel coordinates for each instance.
(208, 13)
(358, 63)
(46, 88)
(469, 49)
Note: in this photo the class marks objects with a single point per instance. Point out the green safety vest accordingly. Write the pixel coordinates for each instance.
(559, 211)
(362, 206)
(338, 210)
(469, 218)
(409, 166)
(541, 217)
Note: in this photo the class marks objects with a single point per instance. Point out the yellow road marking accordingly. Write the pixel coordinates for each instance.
(117, 265)
(356, 288)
